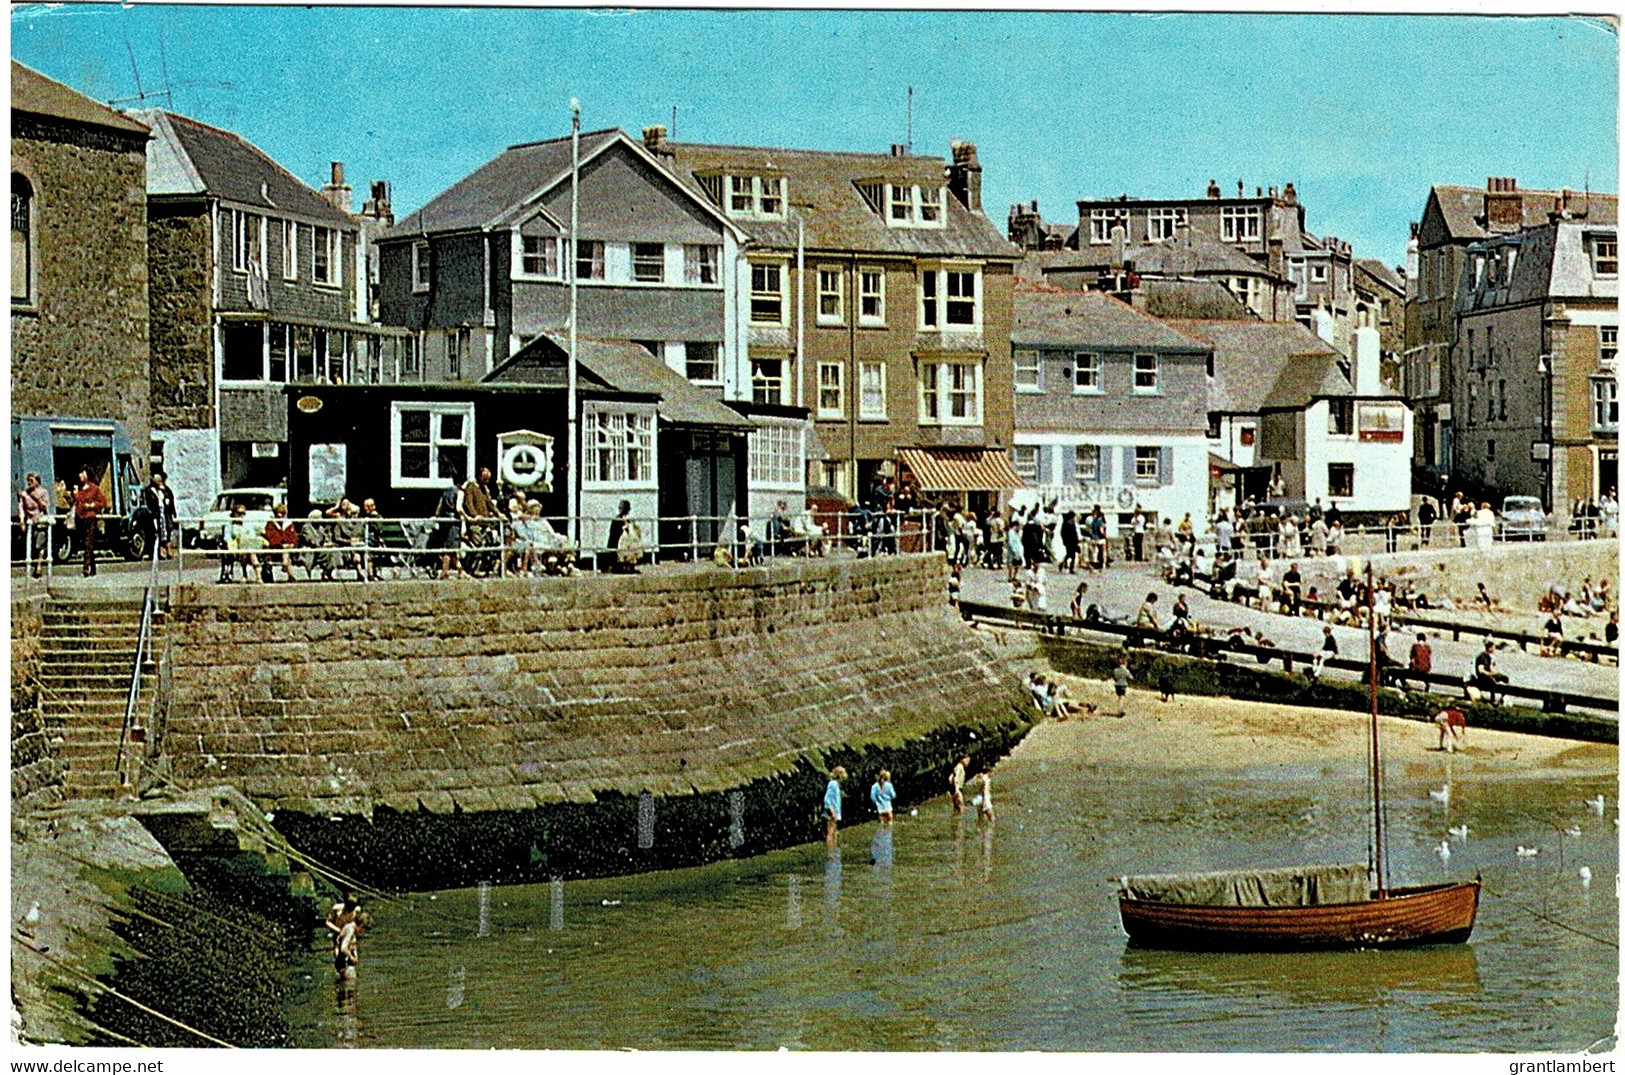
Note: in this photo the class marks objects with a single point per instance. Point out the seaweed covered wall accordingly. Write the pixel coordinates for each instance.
(437, 733)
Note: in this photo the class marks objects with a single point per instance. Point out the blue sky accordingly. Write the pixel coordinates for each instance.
(1363, 113)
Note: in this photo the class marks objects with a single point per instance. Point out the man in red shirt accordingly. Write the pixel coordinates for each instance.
(1421, 660)
(88, 502)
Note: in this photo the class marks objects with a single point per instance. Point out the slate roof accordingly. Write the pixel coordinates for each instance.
(38, 95)
(623, 367)
(1462, 208)
(836, 216)
(1267, 364)
(1090, 319)
(188, 157)
(498, 185)
(1381, 272)
(1554, 261)
(1186, 254)
(1193, 299)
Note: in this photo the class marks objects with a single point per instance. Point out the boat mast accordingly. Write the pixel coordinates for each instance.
(1376, 758)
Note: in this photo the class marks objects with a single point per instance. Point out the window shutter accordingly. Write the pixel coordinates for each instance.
(1128, 465)
(1103, 464)
(1165, 465)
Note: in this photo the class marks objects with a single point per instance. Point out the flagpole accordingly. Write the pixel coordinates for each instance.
(573, 453)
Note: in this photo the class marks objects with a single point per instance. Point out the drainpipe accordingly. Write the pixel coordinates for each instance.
(801, 308)
(573, 486)
(854, 389)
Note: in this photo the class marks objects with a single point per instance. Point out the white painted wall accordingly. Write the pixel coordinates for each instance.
(192, 461)
(1382, 470)
(1187, 492)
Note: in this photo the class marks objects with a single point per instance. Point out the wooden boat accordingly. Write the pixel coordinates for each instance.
(1311, 907)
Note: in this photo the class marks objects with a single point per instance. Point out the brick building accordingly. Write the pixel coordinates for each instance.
(1534, 389)
(1110, 407)
(256, 281)
(1455, 217)
(880, 298)
(79, 309)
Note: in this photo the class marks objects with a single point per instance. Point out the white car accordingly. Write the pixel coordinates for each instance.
(1522, 519)
(257, 501)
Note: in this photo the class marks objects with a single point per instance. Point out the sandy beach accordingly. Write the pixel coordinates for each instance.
(1201, 732)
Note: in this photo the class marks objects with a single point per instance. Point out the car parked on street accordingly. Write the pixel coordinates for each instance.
(258, 502)
(1522, 519)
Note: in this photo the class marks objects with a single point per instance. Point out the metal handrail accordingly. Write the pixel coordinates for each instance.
(143, 638)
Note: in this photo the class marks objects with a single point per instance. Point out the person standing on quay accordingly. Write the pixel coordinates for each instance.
(882, 794)
(832, 804)
(34, 516)
(1121, 678)
(956, 783)
(88, 503)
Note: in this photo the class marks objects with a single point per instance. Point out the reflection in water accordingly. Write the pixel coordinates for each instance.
(987, 851)
(347, 1024)
(456, 978)
(555, 914)
(880, 848)
(832, 884)
(792, 901)
(484, 927)
(1304, 978)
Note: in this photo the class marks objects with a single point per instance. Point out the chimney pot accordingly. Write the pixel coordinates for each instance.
(898, 149)
(1213, 188)
(338, 173)
(1241, 189)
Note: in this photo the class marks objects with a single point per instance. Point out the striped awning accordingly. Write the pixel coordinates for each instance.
(952, 470)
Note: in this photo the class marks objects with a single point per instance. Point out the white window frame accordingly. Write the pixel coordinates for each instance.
(1317, 272)
(1607, 346)
(762, 196)
(701, 263)
(781, 268)
(290, 250)
(547, 253)
(871, 373)
(647, 264)
(1028, 363)
(1087, 373)
(1599, 260)
(333, 241)
(1101, 222)
(1241, 223)
(420, 266)
(1024, 461)
(240, 245)
(1163, 224)
(597, 252)
(877, 319)
(1147, 464)
(913, 206)
(831, 389)
(1155, 387)
(759, 386)
(778, 455)
(938, 392)
(618, 448)
(436, 411)
(928, 207)
(716, 362)
(936, 279)
(837, 314)
(1086, 462)
(1604, 403)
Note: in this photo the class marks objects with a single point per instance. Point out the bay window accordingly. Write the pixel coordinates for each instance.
(950, 393)
(767, 294)
(950, 298)
(620, 448)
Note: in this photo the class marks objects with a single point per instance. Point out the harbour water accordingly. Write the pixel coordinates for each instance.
(942, 933)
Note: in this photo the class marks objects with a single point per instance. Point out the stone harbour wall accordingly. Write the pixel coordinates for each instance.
(36, 768)
(522, 728)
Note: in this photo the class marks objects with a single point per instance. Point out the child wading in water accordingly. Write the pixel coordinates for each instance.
(882, 794)
(1121, 678)
(984, 797)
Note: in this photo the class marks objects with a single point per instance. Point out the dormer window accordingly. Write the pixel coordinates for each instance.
(1240, 223)
(1163, 224)
(1101, 222)
(904, 205)
(1605, 255)
(754, 195)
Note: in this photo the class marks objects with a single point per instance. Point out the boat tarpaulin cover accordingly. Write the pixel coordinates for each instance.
(1287, 886)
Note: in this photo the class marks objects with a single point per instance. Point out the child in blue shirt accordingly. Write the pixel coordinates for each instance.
(832, 804)
(882, 794)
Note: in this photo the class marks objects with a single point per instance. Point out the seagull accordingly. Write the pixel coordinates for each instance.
(1527, 852)
(1596, 805)
(1443, 850)
(1459, 830)
(1572, 830)
(1442, 795)
(1585, 876)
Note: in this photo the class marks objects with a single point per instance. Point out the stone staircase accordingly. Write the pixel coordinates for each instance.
(87, 654)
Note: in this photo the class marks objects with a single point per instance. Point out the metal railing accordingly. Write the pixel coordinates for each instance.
(142, 641)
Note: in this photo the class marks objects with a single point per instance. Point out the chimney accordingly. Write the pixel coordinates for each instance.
(337, 191)
(654, 140)
(1213, 188)
(1413, 260)
(1503, 205)
(1024, 226)
(1119, 243)
(1241, 189)
(899, 149)
(378, 206)
(1367, 367)
(965, 176)
(1277, 257)
(1290, 194)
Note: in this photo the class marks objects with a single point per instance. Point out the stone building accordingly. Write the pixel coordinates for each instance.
(1534, 390)
(880, 298)
(79, 308)
(256, 281)
(1110, 407)
(1453, 218)
(1379, 303)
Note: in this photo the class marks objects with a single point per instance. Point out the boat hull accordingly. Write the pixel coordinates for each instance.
(1426, 914)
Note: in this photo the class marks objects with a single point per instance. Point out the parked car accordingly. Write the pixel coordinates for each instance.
(1522, 519)
(258, 502)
